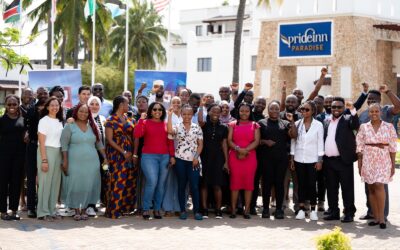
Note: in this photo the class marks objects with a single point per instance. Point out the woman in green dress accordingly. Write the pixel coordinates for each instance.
(80, 141)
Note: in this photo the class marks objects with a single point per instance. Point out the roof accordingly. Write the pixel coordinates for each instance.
(223, 18)
(393, 27)
(8, 84)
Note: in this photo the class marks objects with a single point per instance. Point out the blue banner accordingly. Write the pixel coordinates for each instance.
(172, 81)
(305, 39)
(70, 80)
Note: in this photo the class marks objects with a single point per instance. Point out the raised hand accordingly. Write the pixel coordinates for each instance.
(383, 88)
(284, 86)
(170, 111)
(143, 116)
(349, 105)
(248, 86)
(143, 86)
(365, 87)
(324, 71)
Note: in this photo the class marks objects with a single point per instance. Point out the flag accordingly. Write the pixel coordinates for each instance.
(160, 5)
(53, 10)
(12, 13)
(116, 7)
(89, 8)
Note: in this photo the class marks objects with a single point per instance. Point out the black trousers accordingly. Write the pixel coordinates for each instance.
(31, 172)
(273, 175)
(307, 180)
(340, 173)
(11, 168)
(257, 179)
(321, 188)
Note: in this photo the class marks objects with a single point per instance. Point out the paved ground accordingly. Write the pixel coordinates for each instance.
(171, 233)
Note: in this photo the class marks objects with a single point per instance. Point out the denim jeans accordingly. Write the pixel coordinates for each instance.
(155, 170)
(170, 202)
(184, 172)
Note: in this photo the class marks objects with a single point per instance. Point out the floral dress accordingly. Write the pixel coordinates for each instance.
(376, 162)
(121, 184)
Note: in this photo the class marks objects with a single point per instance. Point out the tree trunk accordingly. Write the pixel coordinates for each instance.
(49, 41)
(63, 47)
(238, 40)
(76, 49)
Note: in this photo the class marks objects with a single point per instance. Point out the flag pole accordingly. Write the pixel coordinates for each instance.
(93, 39)
(52, 35)
(20, 52)
(126, 46)
(169, 37)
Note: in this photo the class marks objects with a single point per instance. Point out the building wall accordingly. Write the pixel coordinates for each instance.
(354, 48)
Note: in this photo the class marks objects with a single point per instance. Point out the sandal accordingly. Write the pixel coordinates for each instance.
(48, 218)
(84, 216)
(77, 217)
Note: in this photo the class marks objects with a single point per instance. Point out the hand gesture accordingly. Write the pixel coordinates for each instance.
(289, 116)
(235, 87)
(170, 111)
(284, 86)
(324, 71)
(349, 105)
(143, 86)
(248, 86)
(383, 88)
(365, 87)
(143, 116)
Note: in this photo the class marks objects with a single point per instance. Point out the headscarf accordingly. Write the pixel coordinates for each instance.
(98, 101)
(228, 118)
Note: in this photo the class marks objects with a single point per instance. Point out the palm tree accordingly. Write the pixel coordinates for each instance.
(145, 37)
(238, 34)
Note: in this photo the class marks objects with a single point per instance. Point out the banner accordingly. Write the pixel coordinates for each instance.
(172, 81)
(305, 39)
(69, 79)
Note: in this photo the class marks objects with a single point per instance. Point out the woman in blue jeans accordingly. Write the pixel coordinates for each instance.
(189, 138)
(157, 151)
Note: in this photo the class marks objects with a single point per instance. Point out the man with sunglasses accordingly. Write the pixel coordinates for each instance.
(106, 106)
(340, 154)
(387, 114)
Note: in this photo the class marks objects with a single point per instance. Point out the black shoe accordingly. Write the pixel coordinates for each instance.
(232, 216)
(247, 216)
(157, 215)
(366, 217)
(5, 216)
(253, 211)
(382, 226)
(14, 216)
(265, 214)
(32, 214)
(279, 214)
(146, 215)
(218, 214)
(332, 217)
(373, 223)
(328, 212)
(347, 219)
(205, 213)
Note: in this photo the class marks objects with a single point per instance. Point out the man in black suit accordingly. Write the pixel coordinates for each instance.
(340, 154)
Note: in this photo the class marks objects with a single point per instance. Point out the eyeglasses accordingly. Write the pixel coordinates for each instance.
(12, 104)
(97, 89)
(305, 109)
(160, 110)
(336, 107)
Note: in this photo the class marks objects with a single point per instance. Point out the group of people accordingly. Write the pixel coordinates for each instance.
(149, 158)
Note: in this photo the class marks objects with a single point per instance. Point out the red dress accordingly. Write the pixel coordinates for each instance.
(242, 171)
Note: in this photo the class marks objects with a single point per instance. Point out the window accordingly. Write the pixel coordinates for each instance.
(203, 64)
(253, 63)
(199, 30)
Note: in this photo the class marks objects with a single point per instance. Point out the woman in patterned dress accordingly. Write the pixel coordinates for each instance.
(121, 193)
(376, 148)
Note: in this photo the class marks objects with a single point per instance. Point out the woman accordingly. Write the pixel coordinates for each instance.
(81, 163)
(225, 117)
(122, 175)
(275, 135)
(243, 138)
(376, 148)
(157, 151)
(184, 95)
(214, 158)
(189, 139)
(49, 158)
(170, 202)
(142, 104)
(12, 149)
(306, 153)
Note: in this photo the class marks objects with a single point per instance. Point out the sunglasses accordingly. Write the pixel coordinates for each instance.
(160, 110)
(305, 110)
(336, 107)
(97, 89)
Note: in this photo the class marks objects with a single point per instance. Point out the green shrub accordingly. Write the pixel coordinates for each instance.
(2, 110)
(335, 240)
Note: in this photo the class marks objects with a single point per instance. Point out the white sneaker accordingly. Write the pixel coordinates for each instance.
(90, 211)
(301, 215)
(67, 212)
(313, 215)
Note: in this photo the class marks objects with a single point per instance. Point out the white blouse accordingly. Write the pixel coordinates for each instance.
(309, 145)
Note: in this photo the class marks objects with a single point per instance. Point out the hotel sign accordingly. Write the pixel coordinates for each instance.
(305, 39)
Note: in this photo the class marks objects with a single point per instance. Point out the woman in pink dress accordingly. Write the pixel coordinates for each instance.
(376, 148)
(243, 138)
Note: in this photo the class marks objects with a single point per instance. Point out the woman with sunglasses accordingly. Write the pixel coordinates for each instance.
(306, 153)
(12, 149)
(157, 152)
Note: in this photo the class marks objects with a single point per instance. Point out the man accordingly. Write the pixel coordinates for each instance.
(31, 122)
(387, 114)
(84, 93)
(106, 106)
(194, 102)
(340, 154)
(319, 103)
(259, 106)
(27, 100)
(132, 111)
(246, 96)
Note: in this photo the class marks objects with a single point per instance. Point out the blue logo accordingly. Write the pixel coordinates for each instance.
(305, 39)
